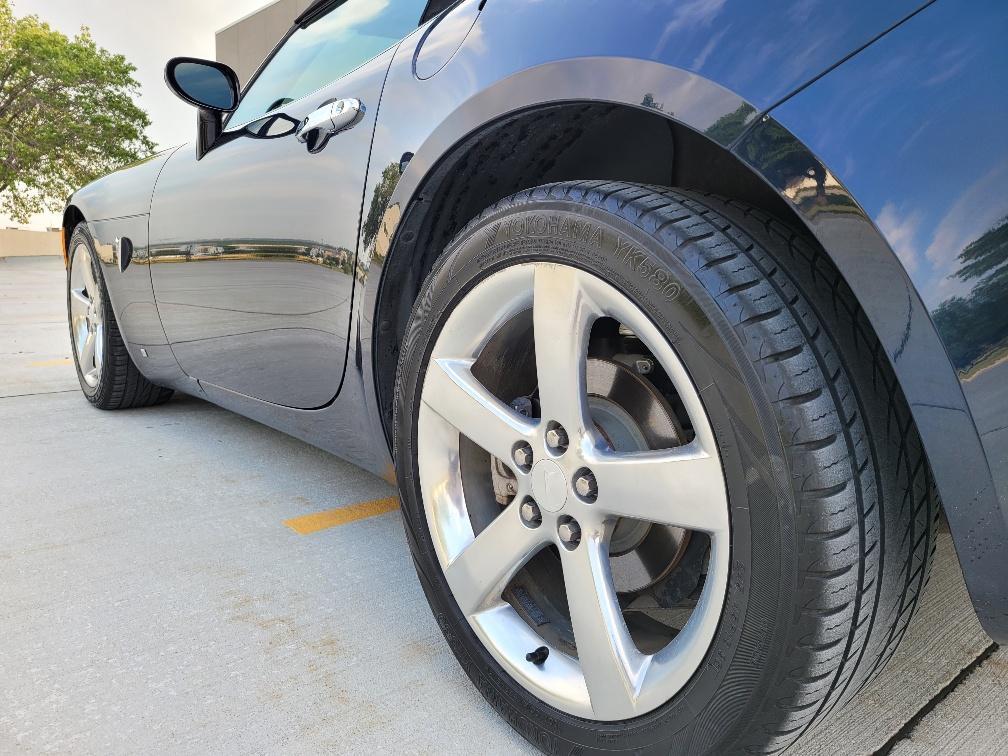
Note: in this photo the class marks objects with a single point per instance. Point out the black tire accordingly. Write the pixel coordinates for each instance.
(832, 505)
(120, 384)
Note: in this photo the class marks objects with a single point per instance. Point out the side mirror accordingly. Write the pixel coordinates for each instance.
(203, 83)
(210, 86)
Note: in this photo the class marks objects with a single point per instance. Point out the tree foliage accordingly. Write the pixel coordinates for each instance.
(988, 254)
(730, 126)
(972, 326)
(379, 202)
(67, 114)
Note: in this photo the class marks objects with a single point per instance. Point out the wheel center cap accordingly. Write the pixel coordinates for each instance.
(549, 485)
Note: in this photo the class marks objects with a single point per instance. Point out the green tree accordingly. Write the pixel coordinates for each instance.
(67, 114)
(988, 254)
(379, 202)
(730, 126)
(649, 102)
(973, 326)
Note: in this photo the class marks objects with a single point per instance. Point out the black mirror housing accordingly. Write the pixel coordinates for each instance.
(210, 86)
(207, 84)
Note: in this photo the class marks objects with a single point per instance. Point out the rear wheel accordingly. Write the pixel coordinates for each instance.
(106, 372)
(660, 495)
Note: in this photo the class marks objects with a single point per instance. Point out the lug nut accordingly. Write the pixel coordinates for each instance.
(530, 513)
(523, 456)
(586, 486)
(556, 438)
(570, 533)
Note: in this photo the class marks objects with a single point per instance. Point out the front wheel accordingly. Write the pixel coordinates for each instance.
(649, 473)
(106, 372)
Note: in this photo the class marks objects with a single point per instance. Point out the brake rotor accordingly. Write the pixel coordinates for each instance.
(632, 415)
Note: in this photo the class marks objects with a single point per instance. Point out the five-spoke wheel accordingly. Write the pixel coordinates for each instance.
(87, 321)
(572, 491)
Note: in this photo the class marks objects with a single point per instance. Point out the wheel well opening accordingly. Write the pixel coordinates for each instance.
(559, 142)
(71, 217)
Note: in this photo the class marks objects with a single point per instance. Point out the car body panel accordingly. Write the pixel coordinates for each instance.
(715, 67)
(914, 129)
(132, 296)
(252, 251)
(927, 160)
(124, 192)
(116, 206)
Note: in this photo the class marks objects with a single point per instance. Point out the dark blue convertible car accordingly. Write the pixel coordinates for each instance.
(682, 326)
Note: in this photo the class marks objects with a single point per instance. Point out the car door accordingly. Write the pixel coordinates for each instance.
(253, 245)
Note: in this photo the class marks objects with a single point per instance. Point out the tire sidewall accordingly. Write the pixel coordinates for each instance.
(701, 717)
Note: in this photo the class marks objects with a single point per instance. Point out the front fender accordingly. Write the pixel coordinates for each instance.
(115, 207)
(127, 191)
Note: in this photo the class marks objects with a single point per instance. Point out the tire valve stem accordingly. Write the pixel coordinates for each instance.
(644, 366)
(538, 657)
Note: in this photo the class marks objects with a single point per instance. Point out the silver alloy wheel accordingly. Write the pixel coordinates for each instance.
(87, 322)
(610, 679)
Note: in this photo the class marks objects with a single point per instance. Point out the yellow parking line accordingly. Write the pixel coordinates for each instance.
(312, 523)
(50, 363)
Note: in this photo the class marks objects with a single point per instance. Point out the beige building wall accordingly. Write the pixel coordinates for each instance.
(15, 242)
(245, 44)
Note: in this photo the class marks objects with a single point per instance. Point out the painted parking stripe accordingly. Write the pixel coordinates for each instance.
(51, 363)
(312, 523)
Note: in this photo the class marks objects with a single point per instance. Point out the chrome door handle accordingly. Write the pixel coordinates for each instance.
(332, 118)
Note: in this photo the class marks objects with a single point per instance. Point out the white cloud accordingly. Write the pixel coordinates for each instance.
(690, 14)
(901, 232)
(976, 210)
(702, 56)
(359, 12)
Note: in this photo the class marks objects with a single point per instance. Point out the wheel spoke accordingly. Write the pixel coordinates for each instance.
(611, 664)
(452, 391)
(89, 278)
(99, 336)
(480, 573)
(87, 354)
(683, 487)
(80, 302)
(562, 317)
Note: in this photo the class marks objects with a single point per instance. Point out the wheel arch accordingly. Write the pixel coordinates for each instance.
(72, 217)
(511, 153)
(406, 189)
